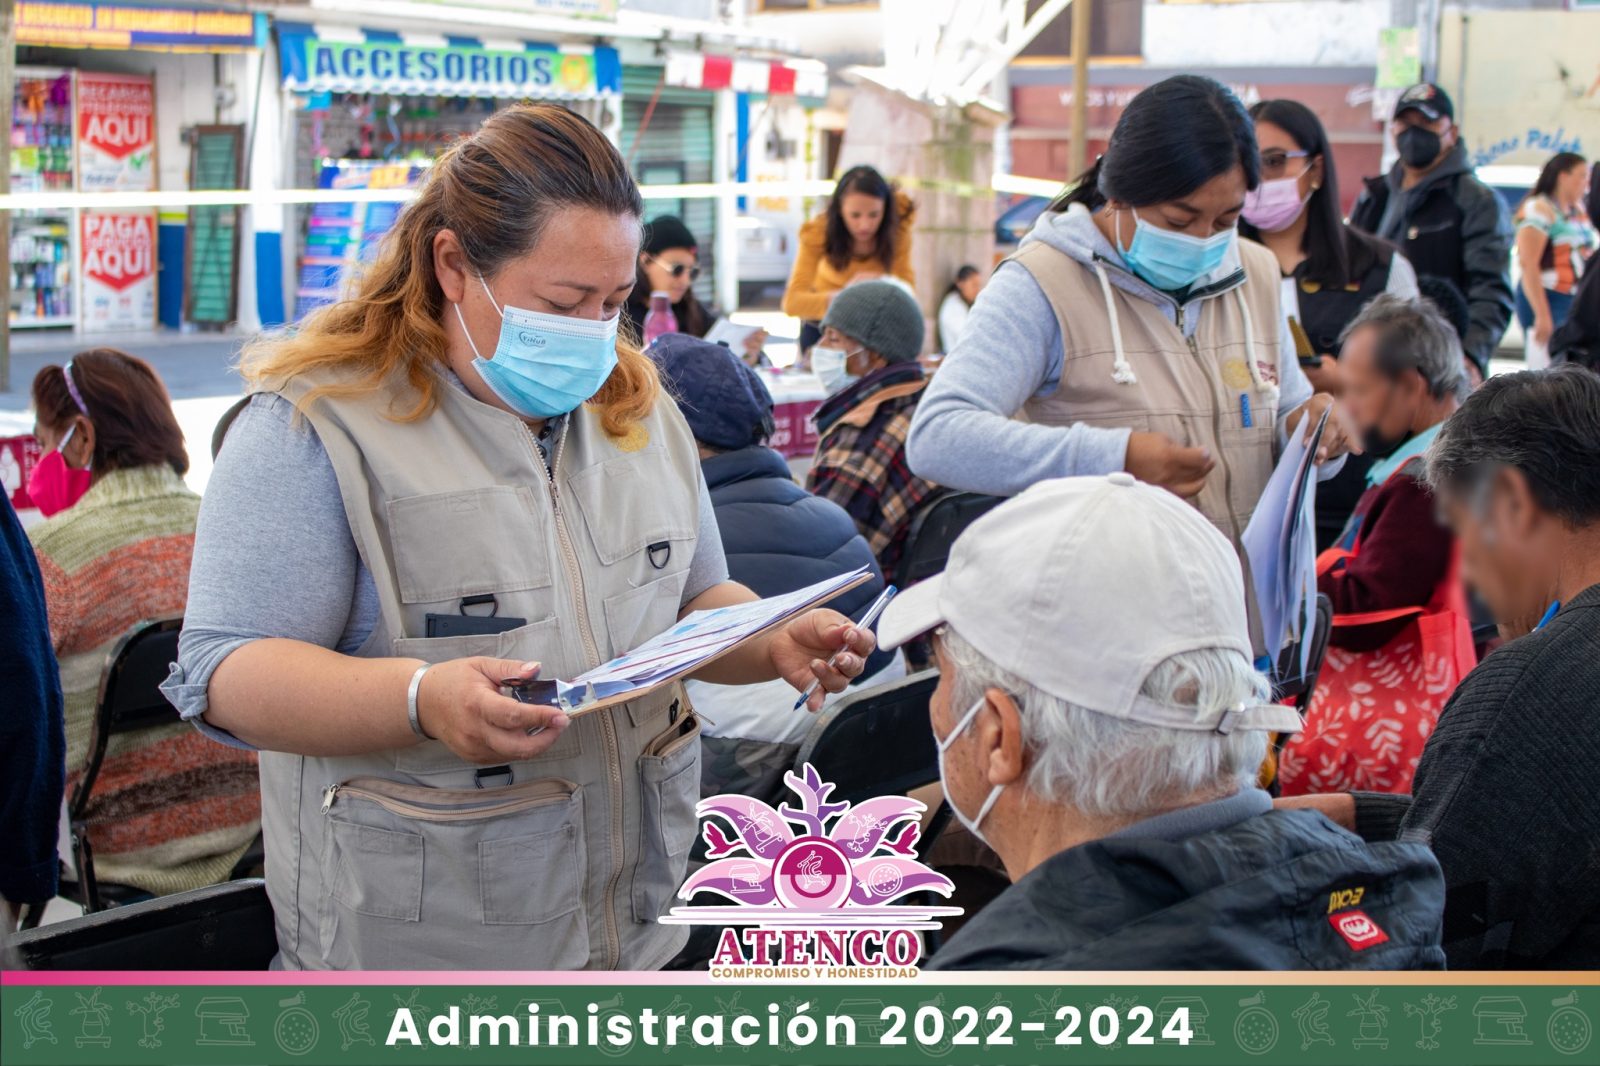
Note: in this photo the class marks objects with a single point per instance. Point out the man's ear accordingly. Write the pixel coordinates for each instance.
(1006, 761)
(1516, 501)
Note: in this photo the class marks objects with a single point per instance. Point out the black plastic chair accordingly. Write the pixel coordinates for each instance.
(879, 743)
(130, 699)
(219, 927)
(934, 529)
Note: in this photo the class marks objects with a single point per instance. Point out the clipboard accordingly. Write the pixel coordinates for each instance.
(695, 641)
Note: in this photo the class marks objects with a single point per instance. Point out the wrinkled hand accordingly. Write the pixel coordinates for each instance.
(1159, 460)
(1338, 436)
(800, 652)
(459, 703)
(754, 343)
(1338, 807)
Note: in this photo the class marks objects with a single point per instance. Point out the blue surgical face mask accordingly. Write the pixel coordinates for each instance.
(545, 365)
(972, 824)
(1170, 260)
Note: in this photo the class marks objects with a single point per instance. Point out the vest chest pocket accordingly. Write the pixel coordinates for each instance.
(448, 545)
(641, 514)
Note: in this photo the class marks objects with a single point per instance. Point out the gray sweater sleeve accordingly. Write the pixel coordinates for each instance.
(963, 435)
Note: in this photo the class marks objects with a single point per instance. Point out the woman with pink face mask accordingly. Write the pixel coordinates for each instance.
(1330, 270)
(114, 553)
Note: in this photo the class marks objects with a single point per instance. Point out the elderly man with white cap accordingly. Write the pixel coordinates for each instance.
(1100, 725)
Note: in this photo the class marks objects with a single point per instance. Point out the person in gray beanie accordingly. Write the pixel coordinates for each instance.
(867, 360)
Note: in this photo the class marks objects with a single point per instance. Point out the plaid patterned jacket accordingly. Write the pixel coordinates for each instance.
(861, 458)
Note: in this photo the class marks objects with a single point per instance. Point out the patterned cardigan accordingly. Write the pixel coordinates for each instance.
(861, 458)
(171, 810)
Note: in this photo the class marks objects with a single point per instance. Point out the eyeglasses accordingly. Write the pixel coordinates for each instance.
(678, 270)
(1275, 159)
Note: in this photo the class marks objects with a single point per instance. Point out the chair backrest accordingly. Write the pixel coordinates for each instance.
(130, 695)
(219, 927)
(876, 743)
(934, 530)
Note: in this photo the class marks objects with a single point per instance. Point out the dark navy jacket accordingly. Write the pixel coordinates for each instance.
(779, 538)
(1230, 885)
(32, 738)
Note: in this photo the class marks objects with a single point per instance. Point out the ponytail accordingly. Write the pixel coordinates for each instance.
(1084, 190)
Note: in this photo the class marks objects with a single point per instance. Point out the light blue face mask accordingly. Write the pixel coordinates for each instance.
(1169, 260)
(545, 365)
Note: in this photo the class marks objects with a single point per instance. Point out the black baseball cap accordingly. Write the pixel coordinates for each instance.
(1428, 99)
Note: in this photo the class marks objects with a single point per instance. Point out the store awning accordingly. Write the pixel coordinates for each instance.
(789, 77)
(348, 60)
(159, 28)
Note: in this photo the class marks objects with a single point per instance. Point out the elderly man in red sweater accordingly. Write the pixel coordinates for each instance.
(1401, 638)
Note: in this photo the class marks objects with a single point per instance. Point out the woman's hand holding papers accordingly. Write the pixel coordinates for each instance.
(459, 703)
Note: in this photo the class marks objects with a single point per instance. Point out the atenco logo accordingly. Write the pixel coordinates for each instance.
(813, 885)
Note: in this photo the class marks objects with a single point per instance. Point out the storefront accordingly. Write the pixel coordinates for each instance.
(85, 118)
(371, 109)
(687, 121)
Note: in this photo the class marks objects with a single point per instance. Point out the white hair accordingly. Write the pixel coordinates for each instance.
(1113, 768)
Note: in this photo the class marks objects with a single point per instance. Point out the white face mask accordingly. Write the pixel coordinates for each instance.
(830, 365)
(944, 779)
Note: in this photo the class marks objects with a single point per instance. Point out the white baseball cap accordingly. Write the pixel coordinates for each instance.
(1082, 586)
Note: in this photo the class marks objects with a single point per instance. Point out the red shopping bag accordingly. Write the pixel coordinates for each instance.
(1373, 711)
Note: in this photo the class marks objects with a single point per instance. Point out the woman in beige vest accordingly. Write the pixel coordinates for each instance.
(1133, 330)
(456, 476)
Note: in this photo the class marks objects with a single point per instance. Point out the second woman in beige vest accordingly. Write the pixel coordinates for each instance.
(1132, 330)
(457, 475)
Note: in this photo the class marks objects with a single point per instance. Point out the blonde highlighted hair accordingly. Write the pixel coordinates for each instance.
(496, 190)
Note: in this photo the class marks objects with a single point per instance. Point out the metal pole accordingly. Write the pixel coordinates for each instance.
(1080, 88)
(8, 89)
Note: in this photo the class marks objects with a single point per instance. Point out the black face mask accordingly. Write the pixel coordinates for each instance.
(1418, 146)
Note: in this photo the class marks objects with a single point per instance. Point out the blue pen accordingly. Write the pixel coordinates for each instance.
(1244, 410)
(866, 622)
(1549, 613)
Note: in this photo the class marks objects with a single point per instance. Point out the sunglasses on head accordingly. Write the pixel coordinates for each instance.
(677, 270)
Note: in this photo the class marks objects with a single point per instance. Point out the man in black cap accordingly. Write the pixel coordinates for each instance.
(1448, 223)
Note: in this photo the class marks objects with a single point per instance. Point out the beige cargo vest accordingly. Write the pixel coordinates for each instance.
(1188, 389)
(418, 860)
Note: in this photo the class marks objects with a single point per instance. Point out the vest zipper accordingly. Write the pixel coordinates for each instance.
(549, 792)
(608, 728)
(1216, 430)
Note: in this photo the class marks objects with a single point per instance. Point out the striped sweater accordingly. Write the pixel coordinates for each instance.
(171, 810)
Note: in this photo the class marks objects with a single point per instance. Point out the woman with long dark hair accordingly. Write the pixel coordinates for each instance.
(864, 234)
(1554, 238)
(1330, 270)
(1132, 328)
(669, 262)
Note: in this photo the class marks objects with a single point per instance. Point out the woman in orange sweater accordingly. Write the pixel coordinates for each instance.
(864, 234)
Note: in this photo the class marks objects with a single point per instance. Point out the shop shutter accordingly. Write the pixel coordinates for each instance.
(676, 147)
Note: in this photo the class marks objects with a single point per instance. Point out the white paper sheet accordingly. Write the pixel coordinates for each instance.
(732, 334)
(1280, 545)
(697, 639)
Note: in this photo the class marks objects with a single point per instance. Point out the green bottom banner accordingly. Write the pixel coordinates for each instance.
(995, 1023)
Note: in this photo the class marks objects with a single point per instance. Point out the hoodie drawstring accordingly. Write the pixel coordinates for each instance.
(1250, 349)
(1121, 372)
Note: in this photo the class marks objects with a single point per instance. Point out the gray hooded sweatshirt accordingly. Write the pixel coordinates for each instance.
(964, 436)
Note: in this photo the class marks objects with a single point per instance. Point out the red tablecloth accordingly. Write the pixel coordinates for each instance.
(18, 455)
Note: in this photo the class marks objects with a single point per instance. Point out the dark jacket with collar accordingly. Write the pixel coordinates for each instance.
(779, 538)
(1229, 885)
(1505, 796)
(1451, 226)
